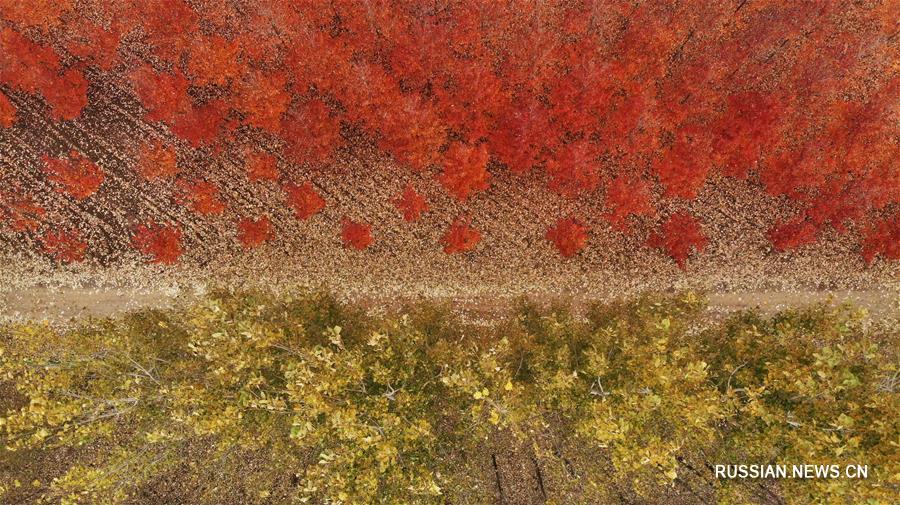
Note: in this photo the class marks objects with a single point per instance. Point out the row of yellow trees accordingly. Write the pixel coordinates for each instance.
(253, 398)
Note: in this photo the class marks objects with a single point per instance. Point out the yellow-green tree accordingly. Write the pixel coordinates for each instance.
(255, 398)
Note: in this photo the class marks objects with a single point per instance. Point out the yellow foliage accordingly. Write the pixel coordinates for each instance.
(638, 395)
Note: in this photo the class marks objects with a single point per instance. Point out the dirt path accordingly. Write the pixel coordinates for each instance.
(65, 304)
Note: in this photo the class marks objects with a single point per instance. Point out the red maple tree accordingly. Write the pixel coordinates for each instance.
(574, 169)
(7, 112)
(77, 176)
(202, 196)
(263, 98)
(684, 165)
(627, 196)
(411, 204)
(96, 45)
(200, 124)
(161, 242)
(214, 60)
(254, 232)
(465, 171)
(304, 199)
(261, 166)
(311, 134)
(460, 237)
(67, 95)
(163, 95)
(157, 161)
(20, 211)
(568, 235)
(792, 234)
(679, 236)
(882, 238)
(355, 235)
(65, 246)
(32, 68)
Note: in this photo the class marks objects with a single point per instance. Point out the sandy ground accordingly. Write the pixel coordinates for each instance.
(68, 304)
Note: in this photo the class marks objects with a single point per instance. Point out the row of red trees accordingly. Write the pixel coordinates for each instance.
(642, 102)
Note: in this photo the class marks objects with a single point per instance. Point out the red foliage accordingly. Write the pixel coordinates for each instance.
(411, 204)
(7, 112)
(214, 60)
(163, 95)
(882, 238)
(162, 243)
(202, 196)
(569, 236)
(156, 161)
(168, 25)
(788, 172)
(470, 97)
(683, 167)
(461, 237)
(311, 135)
(678, 236)
(839, 203)
(20, 211)
(42, 14)
(355, 235)
(25, 65)
(304, 199)
(574, 169)
(78, 176)
(200, 124)
(254, 232)
(97, 46)
(262, 167)
(519, 136)
(32, 67)
(66, 246)
(744, 131)
(465, 171)
(67, 95)
(263, 98)
(412, 134)
(568, 88)
(625, 197)
(795, 233)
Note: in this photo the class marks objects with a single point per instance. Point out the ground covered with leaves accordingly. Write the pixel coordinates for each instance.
(254, 398)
